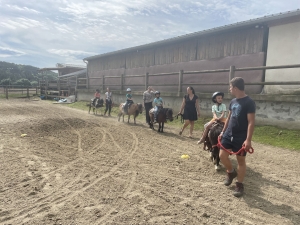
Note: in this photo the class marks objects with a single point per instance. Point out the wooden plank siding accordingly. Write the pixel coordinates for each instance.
(231, 43)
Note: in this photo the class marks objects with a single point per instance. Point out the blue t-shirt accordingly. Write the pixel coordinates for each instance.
(158, 101)
(128, 96)
(238, 121)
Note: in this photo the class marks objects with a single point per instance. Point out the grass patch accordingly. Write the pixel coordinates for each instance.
(269, 135)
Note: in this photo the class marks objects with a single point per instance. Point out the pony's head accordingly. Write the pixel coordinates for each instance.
(140, 108)
(169, 114)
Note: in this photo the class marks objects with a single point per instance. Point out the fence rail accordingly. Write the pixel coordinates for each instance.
(69, 84)
(181, 74)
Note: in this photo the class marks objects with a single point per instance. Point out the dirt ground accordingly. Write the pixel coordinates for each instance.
(76, 168)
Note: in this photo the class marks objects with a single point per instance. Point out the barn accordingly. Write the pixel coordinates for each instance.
(269, 40)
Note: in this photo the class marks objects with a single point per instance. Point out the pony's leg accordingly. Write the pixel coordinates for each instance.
(119, 115)
(128, 118)
(159, 127)
(162, 127)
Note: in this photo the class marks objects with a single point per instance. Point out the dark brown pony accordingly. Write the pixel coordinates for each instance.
(162, 117)
(98, 104)
(134, 109)
(213, 135)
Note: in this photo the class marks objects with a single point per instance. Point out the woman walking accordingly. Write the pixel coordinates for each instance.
(191, 107)
(108, 101)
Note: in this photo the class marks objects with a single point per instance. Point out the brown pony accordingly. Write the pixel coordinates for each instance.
(213, 135)
(162, 116)
(135, 109)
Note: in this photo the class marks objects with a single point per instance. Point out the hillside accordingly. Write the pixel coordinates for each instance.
(11, 73)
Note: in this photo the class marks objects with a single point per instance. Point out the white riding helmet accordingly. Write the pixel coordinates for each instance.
(128, 89)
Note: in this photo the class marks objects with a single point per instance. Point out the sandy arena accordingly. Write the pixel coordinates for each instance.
(76, 168)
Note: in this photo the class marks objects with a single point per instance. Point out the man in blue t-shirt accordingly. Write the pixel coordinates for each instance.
(237, 133)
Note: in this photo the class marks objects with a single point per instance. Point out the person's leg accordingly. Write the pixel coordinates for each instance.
(147, 108)
(186, 123)
(106, 107)
(191, 128)
(202, 140)
(241, 168)
(224, 157)
(109, 108)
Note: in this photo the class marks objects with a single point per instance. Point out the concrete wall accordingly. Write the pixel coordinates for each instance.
(276, 110)
(283, 49)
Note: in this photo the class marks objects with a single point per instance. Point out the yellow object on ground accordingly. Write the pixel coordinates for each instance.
(185, 156)
(23, 135)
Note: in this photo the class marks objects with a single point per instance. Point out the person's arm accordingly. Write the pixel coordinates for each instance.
(222, 115)
(226, 125)
(198, 107)
(250, 130)
(182, 106)
(215, 116)
(144, 97)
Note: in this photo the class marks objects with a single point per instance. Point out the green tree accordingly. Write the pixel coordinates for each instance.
(23, 82)
(6, 81)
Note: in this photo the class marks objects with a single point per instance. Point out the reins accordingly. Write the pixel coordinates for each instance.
(181, 118)
(219, 145)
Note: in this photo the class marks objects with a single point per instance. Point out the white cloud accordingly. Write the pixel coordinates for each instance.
(65, 30)
(9, 52)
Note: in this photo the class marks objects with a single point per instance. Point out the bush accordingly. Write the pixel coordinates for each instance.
(34, 83)
(6, 81)
(23, 82)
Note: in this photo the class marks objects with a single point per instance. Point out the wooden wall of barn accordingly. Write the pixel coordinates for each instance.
(202, 49)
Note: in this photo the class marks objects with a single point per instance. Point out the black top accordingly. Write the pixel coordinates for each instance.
(190, 111)
(238, 121)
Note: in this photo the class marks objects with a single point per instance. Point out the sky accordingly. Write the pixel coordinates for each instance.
(43, 33)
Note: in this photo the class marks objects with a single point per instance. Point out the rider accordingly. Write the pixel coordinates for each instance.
(219, 114)
(96, 96)
(158, 104)
(128, 101)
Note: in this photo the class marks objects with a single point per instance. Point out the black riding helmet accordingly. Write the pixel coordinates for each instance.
(157, 92)
(213, 98)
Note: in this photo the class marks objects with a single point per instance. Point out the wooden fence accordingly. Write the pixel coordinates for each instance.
(18, 91)
(231, 74)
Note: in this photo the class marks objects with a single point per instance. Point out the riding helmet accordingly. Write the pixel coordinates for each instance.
(128, 89)
(97, 90)
(213, 98)
(157, 92)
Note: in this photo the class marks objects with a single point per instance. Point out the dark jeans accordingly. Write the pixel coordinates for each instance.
(127, 105)
(108, 106)
(148, 106)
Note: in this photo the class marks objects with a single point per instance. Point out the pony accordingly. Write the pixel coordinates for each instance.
(98, 104)
(213, 135)
(134, 109)
(163, 115)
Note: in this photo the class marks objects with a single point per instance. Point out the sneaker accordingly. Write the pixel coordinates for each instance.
(239, 189)
(230, 177)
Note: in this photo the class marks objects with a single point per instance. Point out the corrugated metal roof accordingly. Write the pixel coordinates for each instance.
(246, 23)
(77, 73)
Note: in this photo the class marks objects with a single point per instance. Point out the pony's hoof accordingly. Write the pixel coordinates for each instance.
(217, 167)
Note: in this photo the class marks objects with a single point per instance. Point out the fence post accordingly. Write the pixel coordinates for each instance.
(27, 92)
(103, 83)
(6, 92)
(180, 82)
(122, 81)
(231, 75)
(46, 88)
(146, 80)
